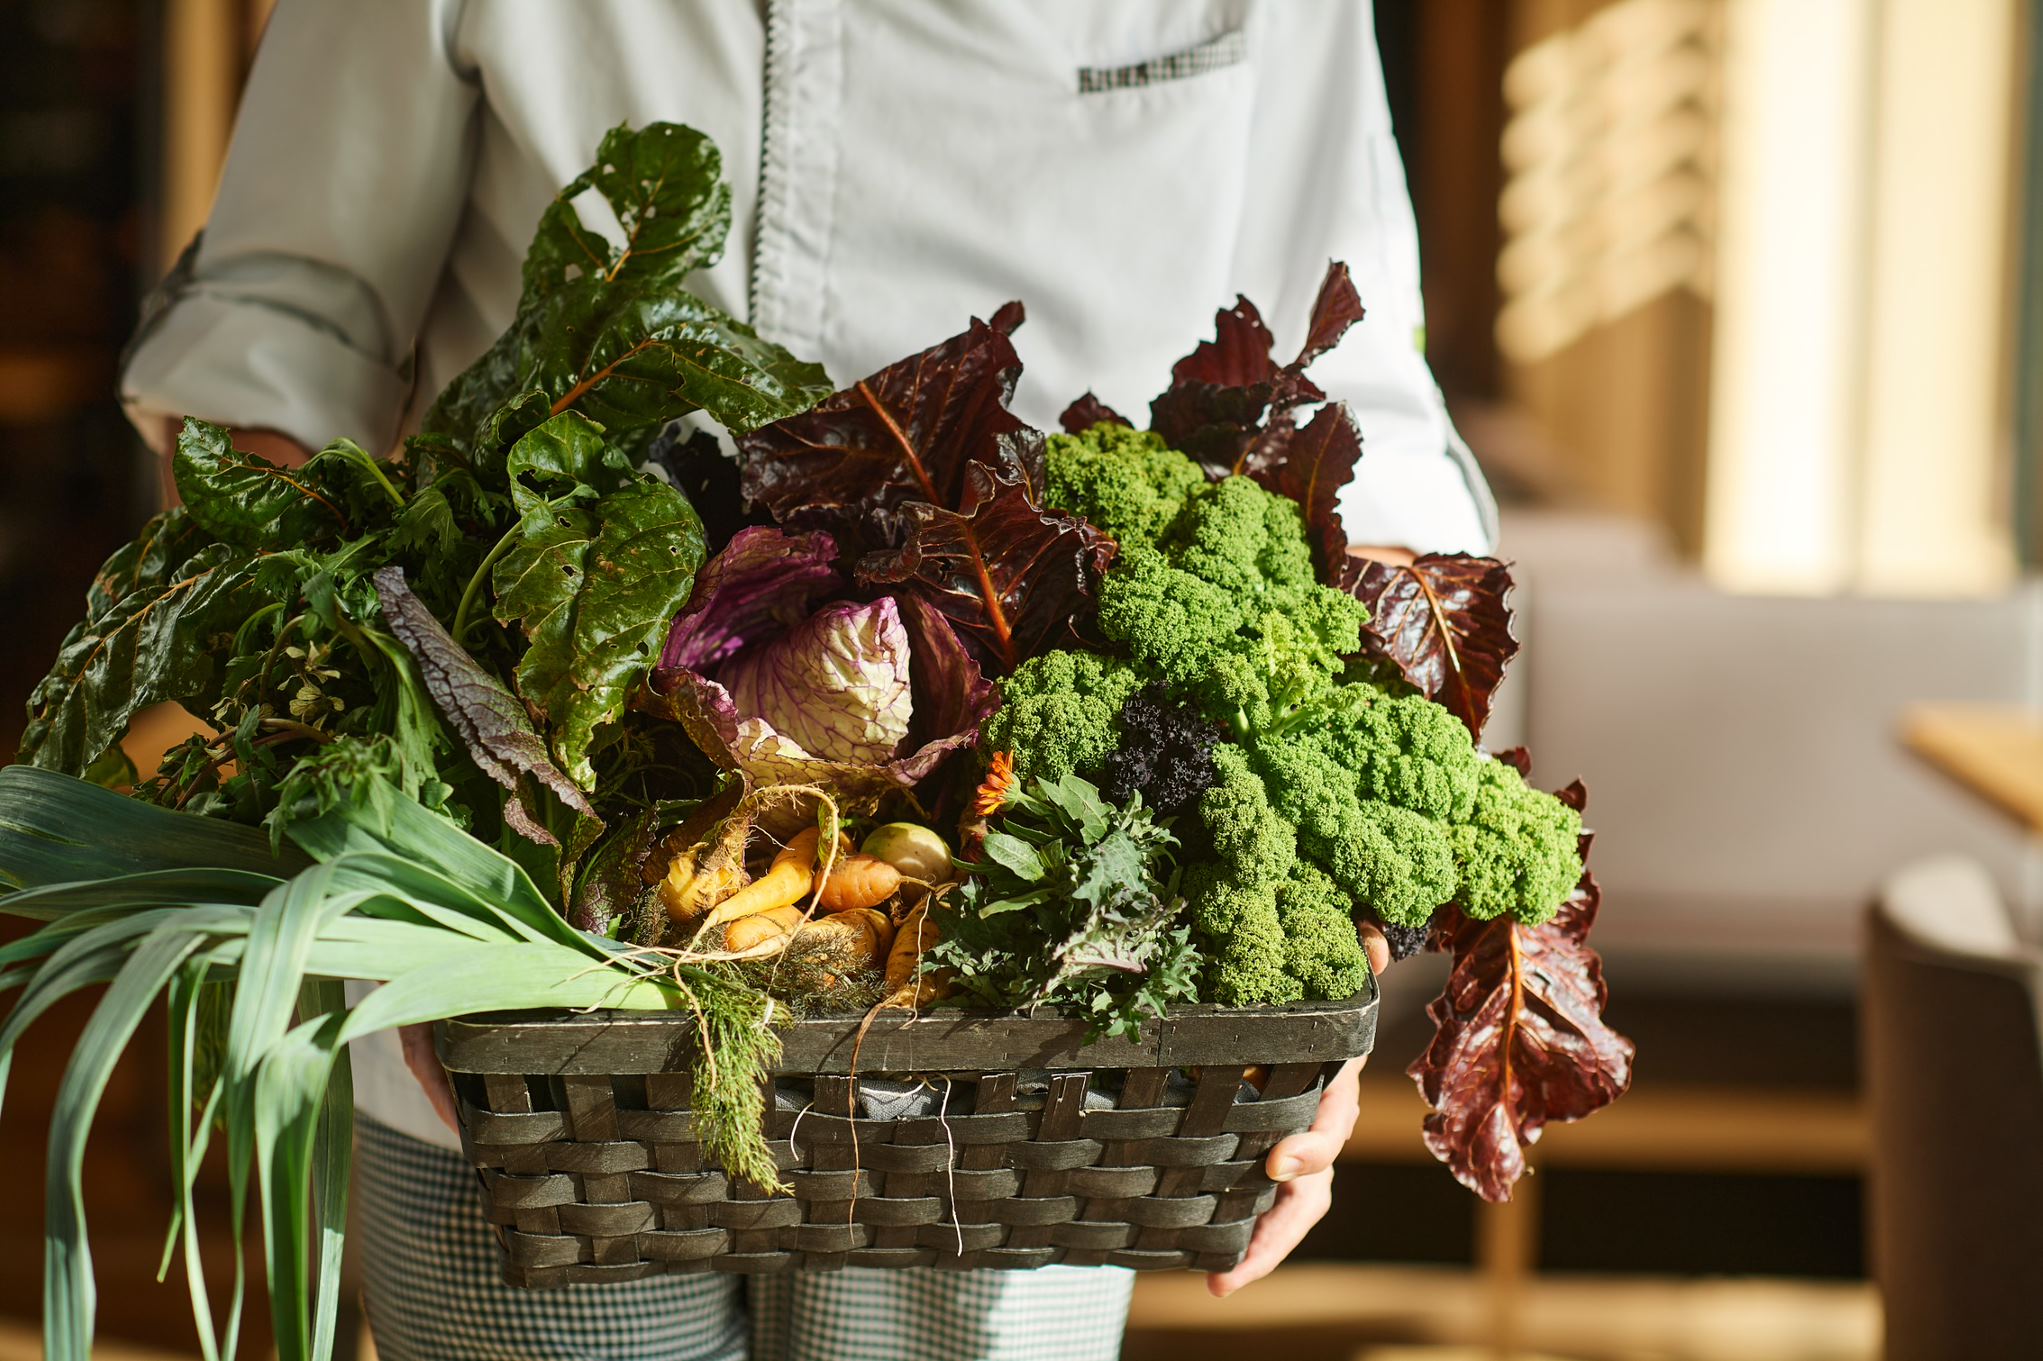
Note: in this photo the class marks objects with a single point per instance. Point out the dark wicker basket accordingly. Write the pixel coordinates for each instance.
(1042, 1150)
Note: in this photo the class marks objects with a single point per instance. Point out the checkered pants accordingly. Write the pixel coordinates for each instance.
(430, 1264)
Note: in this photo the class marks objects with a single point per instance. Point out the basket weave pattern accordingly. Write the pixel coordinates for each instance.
(597, 1176)
(600, 1192)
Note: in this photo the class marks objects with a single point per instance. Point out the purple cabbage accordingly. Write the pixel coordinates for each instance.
(778, 670)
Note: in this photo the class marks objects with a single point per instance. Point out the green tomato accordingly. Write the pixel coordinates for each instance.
(912, 849)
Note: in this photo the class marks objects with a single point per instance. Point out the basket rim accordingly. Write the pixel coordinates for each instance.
(556, 1043)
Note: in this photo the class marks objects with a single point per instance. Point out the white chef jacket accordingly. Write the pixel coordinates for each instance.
(897, 166)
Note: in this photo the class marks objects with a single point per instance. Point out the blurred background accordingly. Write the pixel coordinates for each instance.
(1740, 302)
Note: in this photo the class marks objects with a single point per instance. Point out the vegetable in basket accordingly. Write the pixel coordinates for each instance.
(497, 729)
(417, 672)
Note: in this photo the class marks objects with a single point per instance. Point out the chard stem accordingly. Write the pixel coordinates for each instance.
(356, 453)
(474, 587)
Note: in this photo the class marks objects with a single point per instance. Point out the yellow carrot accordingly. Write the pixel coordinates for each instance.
(916, 931)
(759, 928)
(695, 884)
(787, 882)
(907, 986)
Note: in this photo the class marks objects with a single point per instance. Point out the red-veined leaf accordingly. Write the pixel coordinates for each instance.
(1442, 622)
(1337, 307)
(1088, 411)
(1230, 404)
(1519, 1042)
(1237, 356)
(1007, 574)
(1318, 461)
(906, 433)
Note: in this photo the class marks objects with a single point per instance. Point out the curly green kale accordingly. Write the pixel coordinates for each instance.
(1058, 713)
(1395, 862)
(1128, 483)
(1172, 623)
(1392, 799)
(1247, 645)
(1333, 789)
(1322, 950)
(1274, 929)
(1244, 538)
(1517, 852)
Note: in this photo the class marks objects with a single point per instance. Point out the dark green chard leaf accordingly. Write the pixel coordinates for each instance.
(249, 501)
(165, 544)
(604, 327)
(159, 641)
(564, 459)
(593, 588)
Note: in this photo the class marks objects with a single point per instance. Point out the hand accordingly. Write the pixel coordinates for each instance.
(1303, 1165)
(424, 1062)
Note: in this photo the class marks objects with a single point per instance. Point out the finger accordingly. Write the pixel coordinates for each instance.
(1314, 1149)
(1375, 946)
(1343, 1099)
(1298, 1207)
(424, 1062)
(1303, 1155)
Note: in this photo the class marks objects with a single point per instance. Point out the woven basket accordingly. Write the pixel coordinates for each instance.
(1040, 1150)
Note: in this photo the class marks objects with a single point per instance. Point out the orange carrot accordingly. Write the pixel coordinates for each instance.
(856, 881)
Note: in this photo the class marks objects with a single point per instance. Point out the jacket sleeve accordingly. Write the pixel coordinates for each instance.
(1326, 184)
(297, 307)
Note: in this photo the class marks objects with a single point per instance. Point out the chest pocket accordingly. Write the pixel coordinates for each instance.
(972, 169)
(1216, 54)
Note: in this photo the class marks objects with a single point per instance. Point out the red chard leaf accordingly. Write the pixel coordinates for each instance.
(1337, 307)
(1008, 575)
(1229, 404)
(1217, 426)
(1520, 1040)
(1520, 760)
(952, 694)
(1238, 355)
(1442, 622)
(930, 485)
(906, 433)
(1317, 462)
(1088, 411)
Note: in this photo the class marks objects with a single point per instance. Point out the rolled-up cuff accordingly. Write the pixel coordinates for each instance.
(246, 363)
(1427, 502)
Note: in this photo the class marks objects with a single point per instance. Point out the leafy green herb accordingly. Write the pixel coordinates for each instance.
(254, 504)
(592, 579)
(156, 640)
(1074, 906)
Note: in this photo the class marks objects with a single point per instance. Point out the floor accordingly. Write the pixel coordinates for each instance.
(1343, 1313)
(1330, 1313)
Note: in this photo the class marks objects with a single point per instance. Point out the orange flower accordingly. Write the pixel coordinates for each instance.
(996, 787)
